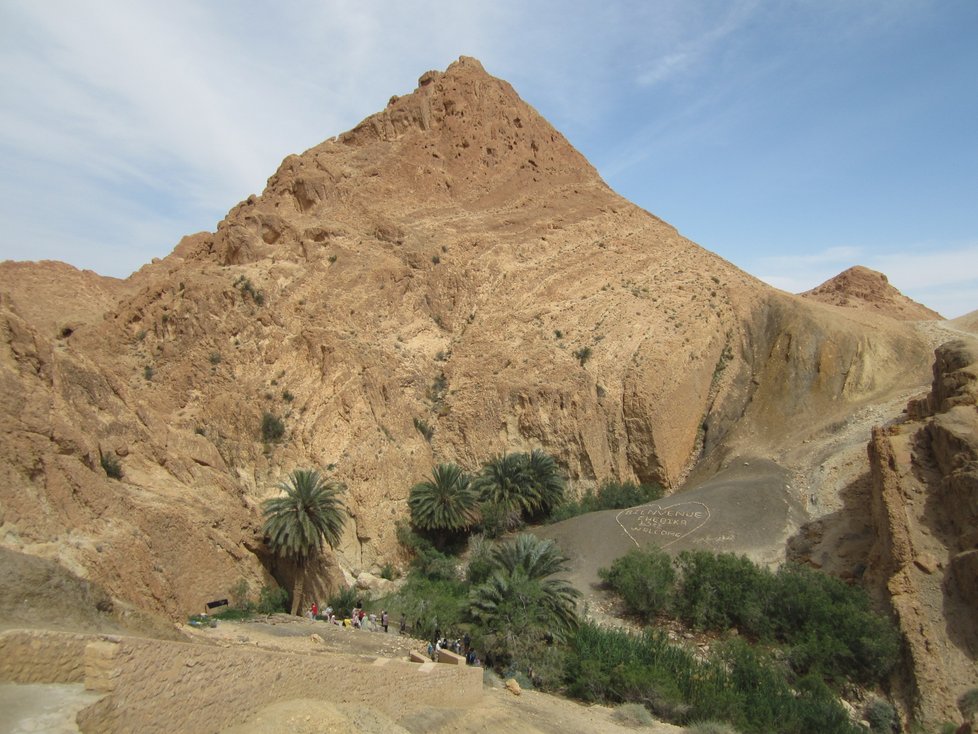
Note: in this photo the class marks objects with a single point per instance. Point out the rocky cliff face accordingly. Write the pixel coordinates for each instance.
(452, 262)
(925, 513)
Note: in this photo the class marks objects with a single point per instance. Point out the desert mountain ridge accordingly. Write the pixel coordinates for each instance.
(453, 263)
(860, 287)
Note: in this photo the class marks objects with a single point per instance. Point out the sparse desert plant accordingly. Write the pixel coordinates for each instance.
(632, 714)
(422, 427)
(240, 595)
(111, 466)
(148, 372)
(882, 717)
(272, 600)
(215, 358)
(272, 427)
(968, 704)
(582, 355)
(344, 599)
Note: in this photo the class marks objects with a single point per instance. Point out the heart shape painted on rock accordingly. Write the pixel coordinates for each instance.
(663, 524)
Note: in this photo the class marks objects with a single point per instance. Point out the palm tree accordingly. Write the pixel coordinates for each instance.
(521, 602)
(297, 523)
(448, 501)
(505, 482)
(545, 481)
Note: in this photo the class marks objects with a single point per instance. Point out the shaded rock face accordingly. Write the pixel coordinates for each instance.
(451, 260)
(862, 288)
(925, 513)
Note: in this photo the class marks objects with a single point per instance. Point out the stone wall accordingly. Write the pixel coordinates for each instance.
(159, 686)
(30, 657)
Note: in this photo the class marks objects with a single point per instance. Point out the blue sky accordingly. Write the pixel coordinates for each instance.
(795, 138)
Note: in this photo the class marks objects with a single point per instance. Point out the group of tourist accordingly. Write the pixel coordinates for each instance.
(358, 619)
(459, 646)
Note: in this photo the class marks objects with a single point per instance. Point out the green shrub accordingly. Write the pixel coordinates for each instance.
(720, 590)
(644, 579)
(343, 600)
(830, 628)
(215, 358)
(611, 495)
(737, 684)
(882, 717)
(388, 572)
(430, 604)
(272, 600)
(422, 427)
(480, 559)
(968, 703)
(240, 595)
(111, 466)
(582, 355)
(710, 727)
(272, 427)
(148, 372)
(632, 714)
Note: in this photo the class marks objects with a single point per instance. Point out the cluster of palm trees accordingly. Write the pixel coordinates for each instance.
(520, 603)
(517, 597)
(509, 488)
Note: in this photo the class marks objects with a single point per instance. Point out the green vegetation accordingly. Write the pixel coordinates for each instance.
(215, 358)
(644, 580)
(297, 523)
(582, 355)
(248, 288)
(633, 714)
(446, 502)
(272, 600)
(737, 683)
(521, 608)
(148, 372)
(422, 427)
(826, 626)
(611, 495)
(272, 427)
(520, 486)
(111, 466)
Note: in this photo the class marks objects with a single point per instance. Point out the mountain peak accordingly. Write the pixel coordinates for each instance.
(862, 288)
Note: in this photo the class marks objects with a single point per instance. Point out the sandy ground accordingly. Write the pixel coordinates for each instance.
(499, 711)
(49, 708)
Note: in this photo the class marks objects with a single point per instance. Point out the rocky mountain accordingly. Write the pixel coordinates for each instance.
(447, 281)
(862, 288)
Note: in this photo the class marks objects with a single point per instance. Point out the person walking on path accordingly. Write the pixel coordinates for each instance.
(384, 620)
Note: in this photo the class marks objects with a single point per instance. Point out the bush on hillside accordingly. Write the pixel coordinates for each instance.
(611, 495)
(644, 579)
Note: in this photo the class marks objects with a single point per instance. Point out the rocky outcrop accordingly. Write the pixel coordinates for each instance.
(925, 510)
(862, 288)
